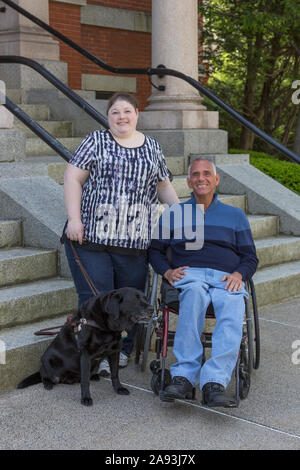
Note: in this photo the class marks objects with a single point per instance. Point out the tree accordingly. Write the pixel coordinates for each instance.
(253, 43)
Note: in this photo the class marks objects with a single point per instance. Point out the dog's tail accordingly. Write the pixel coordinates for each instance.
(30, 380)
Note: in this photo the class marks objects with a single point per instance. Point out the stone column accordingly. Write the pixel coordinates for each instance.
(175, 45)
(20, 36)
(12, 141)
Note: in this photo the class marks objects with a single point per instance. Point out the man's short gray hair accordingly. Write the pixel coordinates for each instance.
(202, 159)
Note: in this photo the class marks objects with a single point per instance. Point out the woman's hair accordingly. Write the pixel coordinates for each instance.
(122, 96)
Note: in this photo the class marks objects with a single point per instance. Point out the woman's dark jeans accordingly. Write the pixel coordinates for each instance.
(108, 271)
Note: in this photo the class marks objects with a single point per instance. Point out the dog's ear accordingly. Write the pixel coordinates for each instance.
(112, 304)
(87, 307)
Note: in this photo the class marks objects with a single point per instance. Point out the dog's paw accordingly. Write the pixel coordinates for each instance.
(95, 377)
(87, 401)
(48, 385)
(122, 391)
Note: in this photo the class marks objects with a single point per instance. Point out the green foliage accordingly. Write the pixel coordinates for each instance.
(286, 173)
(252, 48)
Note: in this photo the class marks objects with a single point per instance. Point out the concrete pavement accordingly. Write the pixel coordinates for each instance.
(269, 418)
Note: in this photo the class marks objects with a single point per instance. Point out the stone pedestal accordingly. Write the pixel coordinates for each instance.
(20, 36)
(6, 118)
(175, 45)
(184, 142)
(12, 145)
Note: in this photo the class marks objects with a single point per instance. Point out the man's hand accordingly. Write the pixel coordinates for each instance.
(173, 275)
(234, 281)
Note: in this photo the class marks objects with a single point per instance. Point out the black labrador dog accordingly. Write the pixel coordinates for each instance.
(93, 333)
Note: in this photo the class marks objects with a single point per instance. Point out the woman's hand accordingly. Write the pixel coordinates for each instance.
(75, 230)
(74, 179)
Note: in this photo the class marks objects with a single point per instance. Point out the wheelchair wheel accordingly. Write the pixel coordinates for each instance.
(156, 381)
(244, 372)
(253, 327)
(143, 340)
(140, 340)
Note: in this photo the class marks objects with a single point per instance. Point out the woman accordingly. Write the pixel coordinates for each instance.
(111, 183)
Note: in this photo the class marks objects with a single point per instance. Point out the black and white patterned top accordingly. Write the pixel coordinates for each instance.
(119, 196)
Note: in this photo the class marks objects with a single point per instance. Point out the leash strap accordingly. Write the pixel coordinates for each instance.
(84, 271)
(49, 331)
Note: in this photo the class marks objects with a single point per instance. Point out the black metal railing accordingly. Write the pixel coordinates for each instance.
(161, 71)
(31, 123)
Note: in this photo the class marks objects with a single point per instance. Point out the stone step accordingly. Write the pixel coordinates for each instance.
(38, 112)
(239, 201)
(52, 166)
(23, 350)
(33, 301)
(277, 283)
(10, 233)
(15, 95)
(180, 186)
(263, 226)
(23, 77)
(176, 165)
(234, 200)
(36, 147)
(55, 128)
(277, 250)
(26, 264)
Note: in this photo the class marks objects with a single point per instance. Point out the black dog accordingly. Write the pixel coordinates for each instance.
(93, 333)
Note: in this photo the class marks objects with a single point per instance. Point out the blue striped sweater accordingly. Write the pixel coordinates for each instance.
(228, 244)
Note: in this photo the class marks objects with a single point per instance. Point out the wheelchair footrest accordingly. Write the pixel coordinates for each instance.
(165, 397)
(225, 404)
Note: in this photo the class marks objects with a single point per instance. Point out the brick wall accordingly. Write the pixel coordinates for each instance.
(66, 19)
(115, 47)
(121, 49)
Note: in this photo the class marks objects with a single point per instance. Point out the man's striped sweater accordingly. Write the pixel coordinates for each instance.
(228, 244)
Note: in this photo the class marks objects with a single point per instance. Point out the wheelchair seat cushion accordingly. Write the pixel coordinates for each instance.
(169, 297)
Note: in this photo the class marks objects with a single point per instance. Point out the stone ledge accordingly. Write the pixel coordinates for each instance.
(179, 119)
(73, 2)
(265, 195)
(108, 83)
(117, 18)
(183, 142)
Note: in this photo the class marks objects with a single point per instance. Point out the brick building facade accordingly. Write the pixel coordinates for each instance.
(115, 45)
(116, 31)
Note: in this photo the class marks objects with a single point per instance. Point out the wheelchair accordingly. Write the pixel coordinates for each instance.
(168, 303)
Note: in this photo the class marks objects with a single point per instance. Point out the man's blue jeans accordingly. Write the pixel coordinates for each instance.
(108, 271)
(199, 287)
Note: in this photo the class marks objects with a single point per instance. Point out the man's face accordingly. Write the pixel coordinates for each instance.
(202, 179)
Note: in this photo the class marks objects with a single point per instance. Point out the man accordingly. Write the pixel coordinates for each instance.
(214, 273)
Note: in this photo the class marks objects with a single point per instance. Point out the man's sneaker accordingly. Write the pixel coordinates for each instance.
(213, 394)
(104, 370)
(179, 388)
(123, 361)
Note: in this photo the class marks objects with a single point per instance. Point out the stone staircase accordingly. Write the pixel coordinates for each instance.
(34, 296)
(31, 295)
(40, 159)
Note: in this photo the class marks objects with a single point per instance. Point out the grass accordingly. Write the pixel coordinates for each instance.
(286, 173)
